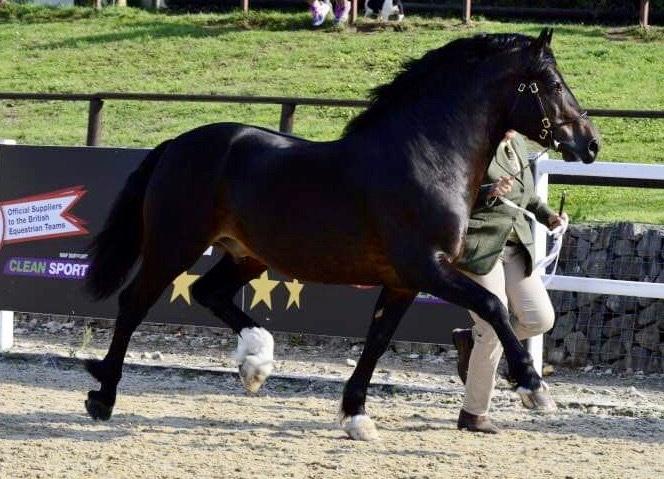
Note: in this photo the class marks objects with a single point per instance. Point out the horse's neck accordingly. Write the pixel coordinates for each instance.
(467, 136)
(455, 148)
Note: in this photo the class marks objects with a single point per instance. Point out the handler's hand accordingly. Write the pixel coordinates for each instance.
(502, 186)
(557, 220)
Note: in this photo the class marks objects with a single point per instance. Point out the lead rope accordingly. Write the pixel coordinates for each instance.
(557, 233)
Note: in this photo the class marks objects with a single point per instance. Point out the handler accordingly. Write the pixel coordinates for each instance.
(499, 255)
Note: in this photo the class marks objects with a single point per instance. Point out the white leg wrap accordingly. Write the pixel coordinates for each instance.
(360, 428)
(254, 354)
(522, 390)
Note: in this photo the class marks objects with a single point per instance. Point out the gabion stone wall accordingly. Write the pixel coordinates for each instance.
(619, 331)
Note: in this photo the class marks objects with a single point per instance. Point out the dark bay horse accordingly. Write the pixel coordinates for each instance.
(387, 204)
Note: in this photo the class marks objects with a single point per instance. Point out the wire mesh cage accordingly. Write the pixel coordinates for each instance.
(623, 332)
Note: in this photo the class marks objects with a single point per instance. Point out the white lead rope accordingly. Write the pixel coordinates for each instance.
(557, 233)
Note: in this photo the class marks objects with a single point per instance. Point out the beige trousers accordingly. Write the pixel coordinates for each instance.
(529, 302)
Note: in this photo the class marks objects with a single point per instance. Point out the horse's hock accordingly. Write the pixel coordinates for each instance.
(622, 332)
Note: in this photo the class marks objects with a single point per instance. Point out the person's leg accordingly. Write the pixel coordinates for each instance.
(484, 357)
(527, 295)
(532, 308)
(341, 11)
(319, 10)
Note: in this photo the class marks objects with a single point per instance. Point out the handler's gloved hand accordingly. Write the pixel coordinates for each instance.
(501, 187)
(556, 220)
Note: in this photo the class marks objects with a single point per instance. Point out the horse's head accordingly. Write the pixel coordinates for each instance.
(546, 110)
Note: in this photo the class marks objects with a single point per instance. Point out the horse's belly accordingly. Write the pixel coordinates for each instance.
(333, 259)
(335, 269)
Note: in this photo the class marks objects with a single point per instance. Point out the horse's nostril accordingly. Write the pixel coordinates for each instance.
(593, 147)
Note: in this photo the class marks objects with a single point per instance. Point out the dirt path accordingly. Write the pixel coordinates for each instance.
(181, 423)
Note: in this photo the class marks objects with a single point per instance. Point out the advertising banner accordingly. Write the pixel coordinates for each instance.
(54, 199)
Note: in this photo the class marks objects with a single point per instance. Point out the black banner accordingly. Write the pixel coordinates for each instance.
(53, 199)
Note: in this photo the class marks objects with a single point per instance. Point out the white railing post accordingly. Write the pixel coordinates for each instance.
(6, 330)
(6, 317)
(536, 343)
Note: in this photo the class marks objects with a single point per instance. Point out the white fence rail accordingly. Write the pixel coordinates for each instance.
(652, 174)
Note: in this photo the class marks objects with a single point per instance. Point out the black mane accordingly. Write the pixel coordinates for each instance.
(420, 74)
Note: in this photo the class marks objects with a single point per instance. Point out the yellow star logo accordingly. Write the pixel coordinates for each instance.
(294, 289)
(263, 287)
(181, 286)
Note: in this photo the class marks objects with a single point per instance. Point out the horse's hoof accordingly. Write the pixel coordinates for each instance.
(254, 372)
(255, 348)
(96, 408)
(360, 428)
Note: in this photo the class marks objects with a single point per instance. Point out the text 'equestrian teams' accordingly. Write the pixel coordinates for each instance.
(37, 229)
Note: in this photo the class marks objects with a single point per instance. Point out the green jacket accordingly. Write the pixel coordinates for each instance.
(491, 221)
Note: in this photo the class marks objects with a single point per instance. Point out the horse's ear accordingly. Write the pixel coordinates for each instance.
(544, 39)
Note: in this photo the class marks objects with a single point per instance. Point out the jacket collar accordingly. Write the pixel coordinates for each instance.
(510, 161)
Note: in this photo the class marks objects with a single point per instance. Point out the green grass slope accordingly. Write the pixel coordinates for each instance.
(277, 53)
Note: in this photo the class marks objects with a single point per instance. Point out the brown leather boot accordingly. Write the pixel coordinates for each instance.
(473, 423)
(463, 342)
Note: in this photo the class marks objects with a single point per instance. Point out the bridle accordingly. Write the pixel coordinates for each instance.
(547, 126)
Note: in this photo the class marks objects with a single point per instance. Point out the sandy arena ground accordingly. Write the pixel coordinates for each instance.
(177, 422)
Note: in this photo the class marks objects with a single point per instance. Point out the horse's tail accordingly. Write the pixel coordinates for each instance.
(117, 247)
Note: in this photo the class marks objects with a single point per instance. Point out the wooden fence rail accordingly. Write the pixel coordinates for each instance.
(286, 119)
(644, 10)
(466, 9)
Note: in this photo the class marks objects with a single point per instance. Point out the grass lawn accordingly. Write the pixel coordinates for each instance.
(277, 53)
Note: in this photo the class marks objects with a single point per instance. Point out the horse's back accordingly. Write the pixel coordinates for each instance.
(293, 204)
(191, 181)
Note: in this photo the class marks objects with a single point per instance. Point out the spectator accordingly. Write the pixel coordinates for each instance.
(321, 8)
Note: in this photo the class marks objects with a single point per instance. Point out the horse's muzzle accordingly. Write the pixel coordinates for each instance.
(593, 150)
(586, 154)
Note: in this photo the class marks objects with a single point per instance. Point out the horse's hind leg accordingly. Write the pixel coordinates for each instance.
(134, 302)
(389, 310)
(255, 345)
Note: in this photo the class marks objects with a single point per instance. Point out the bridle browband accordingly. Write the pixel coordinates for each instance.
(547, 126)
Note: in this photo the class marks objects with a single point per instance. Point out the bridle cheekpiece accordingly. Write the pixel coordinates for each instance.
(547, 126)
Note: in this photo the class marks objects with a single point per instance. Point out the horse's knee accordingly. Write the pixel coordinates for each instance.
(206, 294)
(200, 292)
(216, 287)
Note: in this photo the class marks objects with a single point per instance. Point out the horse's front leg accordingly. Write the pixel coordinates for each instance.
(389, 310)
(435, 275)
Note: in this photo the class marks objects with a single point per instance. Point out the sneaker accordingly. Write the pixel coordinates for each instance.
(319, 11)
(341, 13)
